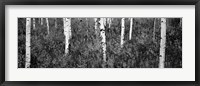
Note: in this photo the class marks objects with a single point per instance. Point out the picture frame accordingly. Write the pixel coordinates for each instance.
(98, 2)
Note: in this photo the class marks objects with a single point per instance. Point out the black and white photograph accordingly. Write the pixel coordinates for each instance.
(104, 42)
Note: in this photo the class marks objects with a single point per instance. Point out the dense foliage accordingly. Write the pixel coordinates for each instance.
(85, 51)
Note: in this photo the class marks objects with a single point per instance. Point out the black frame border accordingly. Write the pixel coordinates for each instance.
(3, 3)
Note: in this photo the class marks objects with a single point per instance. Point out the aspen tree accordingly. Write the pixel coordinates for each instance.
(180, 22)
(103, 35)
(131, 24)
(111, 19)
(162, 43)
(96, 25)
(86, 21)
(28, 43)
(67, 32)
(122, 31)
(109, 22)
(41, 21)
(47, 21)
(104, 22)
(154, 29)
(56, 23)
(34, 23)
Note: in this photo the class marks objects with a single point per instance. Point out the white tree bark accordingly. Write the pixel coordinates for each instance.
(67, 32)
(154, 30)
(122, 31)
(28, 43)
(34, 23)
(103, 35)
(162, 43)
(41, 21)
(131, 29)
(96, 23)
(109, 20)
(104, 21)
(56, 23)
(47, 25)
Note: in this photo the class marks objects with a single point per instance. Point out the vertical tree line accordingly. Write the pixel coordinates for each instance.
(67, 33)
(103, 35)
(131, 25)
(28, 43)
(47, 21)
(162, 43)
(122, 31)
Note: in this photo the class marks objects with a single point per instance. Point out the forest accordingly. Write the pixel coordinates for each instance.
(100, 42)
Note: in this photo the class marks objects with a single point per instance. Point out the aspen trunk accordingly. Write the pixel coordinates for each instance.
(180, 22)
(28, 43)
(104, 22)
(103, 35)
(96, 25)
(122, 31)
(109, 22)
(56, 23)
(67, 32)
(34, 23)
(162, 43)
(131, 29)
(154, 30)
(111, 19)
(47, 25)
(86, 21)
(41, 21)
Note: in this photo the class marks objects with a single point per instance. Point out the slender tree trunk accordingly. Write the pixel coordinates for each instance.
(154, 30)
(162, 43)
(96, 25)
(111, 19)
(28, 43)
(47, 25)
(103, 35)
(131, 29)
(104, 22)
(56, 23)
(67, 33)
(109, 22)
(33, 23)
(86, 21)
(41, 21)
(180, 22)
(122, 31)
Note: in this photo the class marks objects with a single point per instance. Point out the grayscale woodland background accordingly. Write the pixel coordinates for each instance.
(99, 42)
